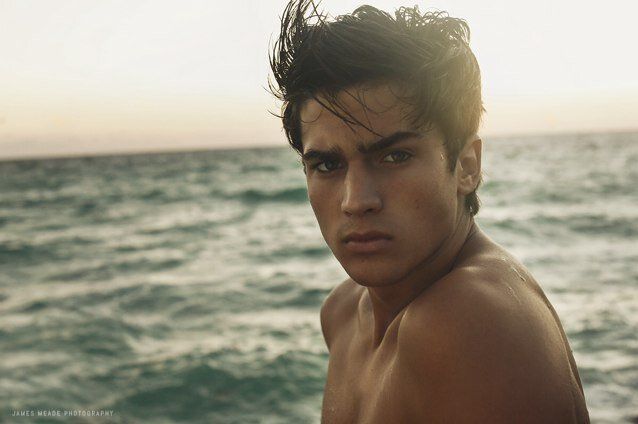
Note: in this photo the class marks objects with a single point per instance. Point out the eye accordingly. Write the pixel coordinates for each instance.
(397, 156)
(326, 166)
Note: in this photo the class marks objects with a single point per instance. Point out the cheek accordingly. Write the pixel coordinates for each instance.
(320, 201)
(315, 194)
(431, 200)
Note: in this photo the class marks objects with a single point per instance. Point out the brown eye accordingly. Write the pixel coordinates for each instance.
(327, 166)
(397, 157)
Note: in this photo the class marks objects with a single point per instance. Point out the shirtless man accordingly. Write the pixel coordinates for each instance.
(437, 323)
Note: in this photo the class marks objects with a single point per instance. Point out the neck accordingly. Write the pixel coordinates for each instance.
(389, 301)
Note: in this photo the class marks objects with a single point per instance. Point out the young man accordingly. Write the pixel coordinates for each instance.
(437, 323)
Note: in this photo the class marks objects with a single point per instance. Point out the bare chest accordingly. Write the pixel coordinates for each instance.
(362, 387)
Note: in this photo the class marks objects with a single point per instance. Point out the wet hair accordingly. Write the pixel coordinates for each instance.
(426, 53)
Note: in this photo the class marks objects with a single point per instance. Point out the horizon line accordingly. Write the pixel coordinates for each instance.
(175, 151)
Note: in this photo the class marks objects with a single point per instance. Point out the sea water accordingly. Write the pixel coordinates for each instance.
(185, 287)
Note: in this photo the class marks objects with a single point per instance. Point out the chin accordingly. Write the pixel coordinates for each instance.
(369, 273)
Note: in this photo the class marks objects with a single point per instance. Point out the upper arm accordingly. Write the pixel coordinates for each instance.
(333, 309)
(479, 357)
(324, 315)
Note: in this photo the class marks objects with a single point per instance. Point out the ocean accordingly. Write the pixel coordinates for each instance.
(185, 287)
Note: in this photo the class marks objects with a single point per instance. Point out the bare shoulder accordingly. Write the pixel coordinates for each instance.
(338, 307)
(483, 346)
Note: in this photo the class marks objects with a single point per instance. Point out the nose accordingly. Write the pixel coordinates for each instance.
(360, 193)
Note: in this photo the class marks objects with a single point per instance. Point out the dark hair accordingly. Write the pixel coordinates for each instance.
(428, 53)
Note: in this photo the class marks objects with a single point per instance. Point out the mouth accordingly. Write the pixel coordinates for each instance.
(368, 242)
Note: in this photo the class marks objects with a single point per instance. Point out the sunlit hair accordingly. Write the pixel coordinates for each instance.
(427, 53)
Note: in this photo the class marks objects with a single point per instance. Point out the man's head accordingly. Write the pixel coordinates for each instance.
(424, 56)
(384, 112)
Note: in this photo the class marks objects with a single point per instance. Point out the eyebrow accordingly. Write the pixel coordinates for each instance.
(376, 146)
(386, 142)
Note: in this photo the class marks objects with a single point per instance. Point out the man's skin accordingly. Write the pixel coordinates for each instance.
(437, 324)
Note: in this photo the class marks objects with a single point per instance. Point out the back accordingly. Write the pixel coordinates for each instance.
(482, 344)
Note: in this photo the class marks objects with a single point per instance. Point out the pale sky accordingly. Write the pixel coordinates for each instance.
(98, 76)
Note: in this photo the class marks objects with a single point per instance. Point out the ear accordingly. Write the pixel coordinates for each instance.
(468, 166)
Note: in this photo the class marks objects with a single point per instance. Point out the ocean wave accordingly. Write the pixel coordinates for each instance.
(105, 271)
(290, 195)
(307, 298)
(26, 252)
(151, 298)
(290, 252)
(73, 333)
(597, 224)
(4, 220)
(605, 225)
(223, 384)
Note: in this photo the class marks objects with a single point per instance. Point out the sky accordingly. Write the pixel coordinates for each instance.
(84, 77)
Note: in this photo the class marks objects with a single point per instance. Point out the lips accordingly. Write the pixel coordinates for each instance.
(367, 242)
(367, 236)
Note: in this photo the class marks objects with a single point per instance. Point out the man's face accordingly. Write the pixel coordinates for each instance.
(385, 205)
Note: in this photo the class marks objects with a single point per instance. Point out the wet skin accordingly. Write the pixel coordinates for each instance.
(437, 323)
